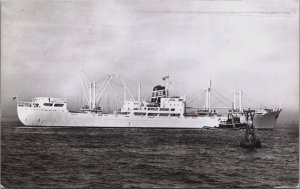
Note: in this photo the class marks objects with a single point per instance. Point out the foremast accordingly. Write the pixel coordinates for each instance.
(89, 88)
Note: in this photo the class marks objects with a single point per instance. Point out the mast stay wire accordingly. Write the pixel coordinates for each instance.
(198, 104)
(256, 101)
(102, 79)
(120, 86)
(218, 100)
(225, 98)
(195, 98)
(115, 93)
(132, 84)
(251, 102)
(248, 98)
(84, 74)
(129, 80)
(117, 83)
(196, 95)
(103, 87)
(84, 90)
(102, 84)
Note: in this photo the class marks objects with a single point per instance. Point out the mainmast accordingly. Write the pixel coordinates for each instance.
(234, 100)
(139, 92)
(208, 98)
(92, 95)
(240, 99)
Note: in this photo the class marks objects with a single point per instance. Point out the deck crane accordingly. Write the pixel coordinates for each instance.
(126, 89)
(89, 88)
(104, 86)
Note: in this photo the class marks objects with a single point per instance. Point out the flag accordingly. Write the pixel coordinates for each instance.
(165, 77)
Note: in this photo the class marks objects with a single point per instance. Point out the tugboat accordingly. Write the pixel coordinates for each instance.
(232, 122)
(263, 118)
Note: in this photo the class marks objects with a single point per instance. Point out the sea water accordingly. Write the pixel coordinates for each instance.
(66, 157)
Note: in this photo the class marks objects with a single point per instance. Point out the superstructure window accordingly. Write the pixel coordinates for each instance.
(152, 114)
(163, 114)
(58, 105)
(140, 113)
(48, 104)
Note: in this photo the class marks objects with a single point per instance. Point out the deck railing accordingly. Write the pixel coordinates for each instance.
(24, 104)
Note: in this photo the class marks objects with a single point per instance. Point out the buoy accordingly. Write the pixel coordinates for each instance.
(250, 144)
(250, 140)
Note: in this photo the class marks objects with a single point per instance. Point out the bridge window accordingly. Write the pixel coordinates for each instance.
(58, 105)
(163, 114)
(152, 114)
(48, 104)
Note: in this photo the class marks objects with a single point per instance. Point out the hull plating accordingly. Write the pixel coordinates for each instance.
(267, 120)
(35, 117)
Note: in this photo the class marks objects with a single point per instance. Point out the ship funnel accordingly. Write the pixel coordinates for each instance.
(158, 93)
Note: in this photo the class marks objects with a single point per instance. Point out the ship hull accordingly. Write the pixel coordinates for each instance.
(48, 117)
(36, 117)
(267, 120)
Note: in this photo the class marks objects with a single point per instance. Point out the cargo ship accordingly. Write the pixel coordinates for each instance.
(162, 111)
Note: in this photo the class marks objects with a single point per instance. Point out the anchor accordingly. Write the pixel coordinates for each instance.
(250, 141)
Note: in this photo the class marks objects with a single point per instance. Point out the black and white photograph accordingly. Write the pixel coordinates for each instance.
(149, 94)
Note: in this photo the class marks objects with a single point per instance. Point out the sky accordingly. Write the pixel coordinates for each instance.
(252, 45)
